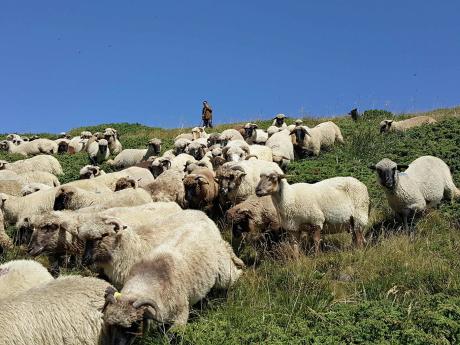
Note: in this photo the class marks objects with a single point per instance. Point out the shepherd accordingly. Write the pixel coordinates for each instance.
(206, 115)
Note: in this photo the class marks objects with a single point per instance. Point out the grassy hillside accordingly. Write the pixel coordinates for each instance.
(395, 291)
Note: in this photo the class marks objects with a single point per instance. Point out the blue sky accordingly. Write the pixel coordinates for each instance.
(65, 64)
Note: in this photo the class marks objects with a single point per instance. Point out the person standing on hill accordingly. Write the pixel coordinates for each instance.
(206, 115)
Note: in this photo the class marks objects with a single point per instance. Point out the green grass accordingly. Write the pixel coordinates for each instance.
(394, 291)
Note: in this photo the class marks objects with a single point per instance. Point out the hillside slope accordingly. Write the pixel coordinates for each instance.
(393, 291)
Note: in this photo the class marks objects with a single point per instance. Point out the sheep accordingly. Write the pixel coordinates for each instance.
(37, 163)
(131, 157)
(42, 177)
(111, 135)
(215, 139)
(63, 233)
(330, 206)
(282, 149)
(199, 132)
(164, 284)
(254, 135)
(201, 189)
(74, 198)
(14, 138)
(180, 145)
(425, 182)
(90, 171)
(178, 163)
(254, 218)
(63, 145)
(279, 121)
(322, 136)
(260, 152)
(403, 125)
(229, 135)
(238, 181)
(159, 165)
(64, 311)
(196, 149)
(33, 188)
(76, 144)
(98, 151)
(115, 245)
(18, 276)
(235, 151)
(39, 146)
(5, 241)
(168, 187)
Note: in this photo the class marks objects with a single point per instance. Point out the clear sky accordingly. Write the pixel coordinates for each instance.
(73, 63)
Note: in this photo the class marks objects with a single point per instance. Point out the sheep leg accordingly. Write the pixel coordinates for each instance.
(316, 235)
(357, 234)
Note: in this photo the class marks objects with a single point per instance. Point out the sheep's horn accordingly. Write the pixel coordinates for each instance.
(251, 156)
(239, 168)
(202, 179)
(117, 223)
(152, 308)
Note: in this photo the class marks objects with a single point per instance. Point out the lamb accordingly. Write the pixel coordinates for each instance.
(18, 276)
(63, 311)
(37, 163)
(168, 187)
(254, 135)
(36, 147)
(322, 136)
(115, 245)
(403, 125)
(165, 283)
(238, 181)
(425, 182)
(98, 151)
(111, 135)
(279, 121)
(131, 157)
(254, 219)
(282, 149)
(74, 198)
(33, 188)
(201, 189)
(330, 206)
(90, 171)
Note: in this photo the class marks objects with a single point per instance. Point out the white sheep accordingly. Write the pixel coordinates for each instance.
(425, 182)
(238, 181)
(111, 135)
(33, 188)
(37, 163)
(64, 311)
(273, 129)
(330, 206)
(168, 186)
(280, 121)
(74, 198)
(235, 151)
(90, 171)
(42, 177)
(199, 132)
(322, 136)
(131, 157)
(18, 276)
(282, 149)
(76, 144)
(98, 151)
(180, 145)
(254, 135)
(164, 284)
(197, 149)
(403, 125)
(229, 135)
(36, 147)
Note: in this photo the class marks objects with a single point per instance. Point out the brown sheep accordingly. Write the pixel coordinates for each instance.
(254, 219)
(201, 189)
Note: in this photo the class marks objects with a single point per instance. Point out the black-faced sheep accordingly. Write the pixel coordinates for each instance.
(403, 125)
(201, 189)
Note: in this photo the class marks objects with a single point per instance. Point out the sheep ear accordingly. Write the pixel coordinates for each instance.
(402, 166)
(201, 180)
(117, 223)
(372, 167)
(254, 126)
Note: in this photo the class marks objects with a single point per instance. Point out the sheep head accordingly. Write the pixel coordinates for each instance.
(155, 146)
(89, 172)
(103, 146)
(214, 139)
(230, 178)
(279, 120)
(159, 166)
(125, 183)
(300, 133)
(249, 130)
(86, 135)
(196, 190)
(385, 126)
(196, 150)
(53, 235)
(4, 145)
(269, 183)
(241, 219)
(3, 164)
(126, 319)
(180, 145)
(387, 172)
(63, 198)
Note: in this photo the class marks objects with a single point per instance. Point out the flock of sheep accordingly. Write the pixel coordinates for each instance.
(149, 228)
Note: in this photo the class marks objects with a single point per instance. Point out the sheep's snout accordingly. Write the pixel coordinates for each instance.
(88, 254)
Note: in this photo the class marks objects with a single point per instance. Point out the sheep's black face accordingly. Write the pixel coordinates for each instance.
(240, 226)
(99, 250)
(4, 146)
(86, 175)
(248, 132)
(157, 170)
(387, 177)
(156, 149)
(103, 149)
(63, 147)
(123, 335)
(299, 135)
(279, 122)
(48, 238)
(231, 182)
(62, 200)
